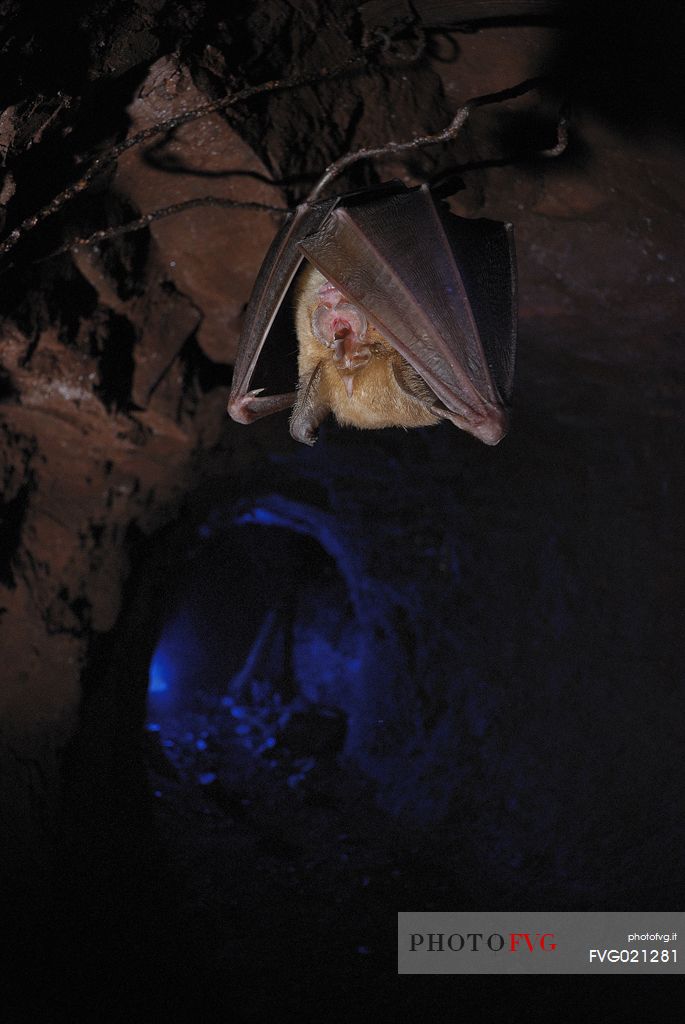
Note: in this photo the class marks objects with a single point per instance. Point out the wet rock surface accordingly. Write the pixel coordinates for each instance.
(511, 739)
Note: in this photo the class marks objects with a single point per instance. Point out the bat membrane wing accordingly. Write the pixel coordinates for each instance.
(399, 260)
(484, 253)
(275, 277)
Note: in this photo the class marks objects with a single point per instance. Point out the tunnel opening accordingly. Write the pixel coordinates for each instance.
(259, 654)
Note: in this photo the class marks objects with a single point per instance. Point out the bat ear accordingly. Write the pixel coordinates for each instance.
(484, 252)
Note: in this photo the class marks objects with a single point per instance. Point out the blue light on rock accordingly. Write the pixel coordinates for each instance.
(289, 613)
(178, 647)
(161, 671)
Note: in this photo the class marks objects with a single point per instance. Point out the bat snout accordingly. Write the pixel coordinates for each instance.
(331, 324)
(349, 353)
(341, 329)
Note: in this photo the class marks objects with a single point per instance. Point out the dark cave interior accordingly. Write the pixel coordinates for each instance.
(257, 698)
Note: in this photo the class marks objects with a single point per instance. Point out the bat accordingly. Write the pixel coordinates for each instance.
(405, 315)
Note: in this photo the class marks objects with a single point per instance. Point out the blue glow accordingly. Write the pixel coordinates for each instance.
(350, 640)
(178, 647)
(263, 516)
(161, 671)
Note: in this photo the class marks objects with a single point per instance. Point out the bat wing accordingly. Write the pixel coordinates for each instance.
(439, 288)
(274, 278)
(484, 253)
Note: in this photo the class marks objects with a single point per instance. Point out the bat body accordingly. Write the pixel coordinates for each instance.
(358, 378)
(405, 315)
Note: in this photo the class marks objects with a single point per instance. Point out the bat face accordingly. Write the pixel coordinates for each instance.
(405, 315)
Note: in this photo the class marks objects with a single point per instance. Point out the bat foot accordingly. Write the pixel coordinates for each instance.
(303, 434)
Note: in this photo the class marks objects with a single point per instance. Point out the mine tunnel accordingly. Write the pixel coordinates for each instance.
(290, 641)
(258, 698)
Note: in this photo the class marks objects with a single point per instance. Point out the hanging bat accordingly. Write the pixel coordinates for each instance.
(405, 315)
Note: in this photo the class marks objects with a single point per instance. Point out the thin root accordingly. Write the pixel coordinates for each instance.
(105, 234)
(446, 135)
(165, 126)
